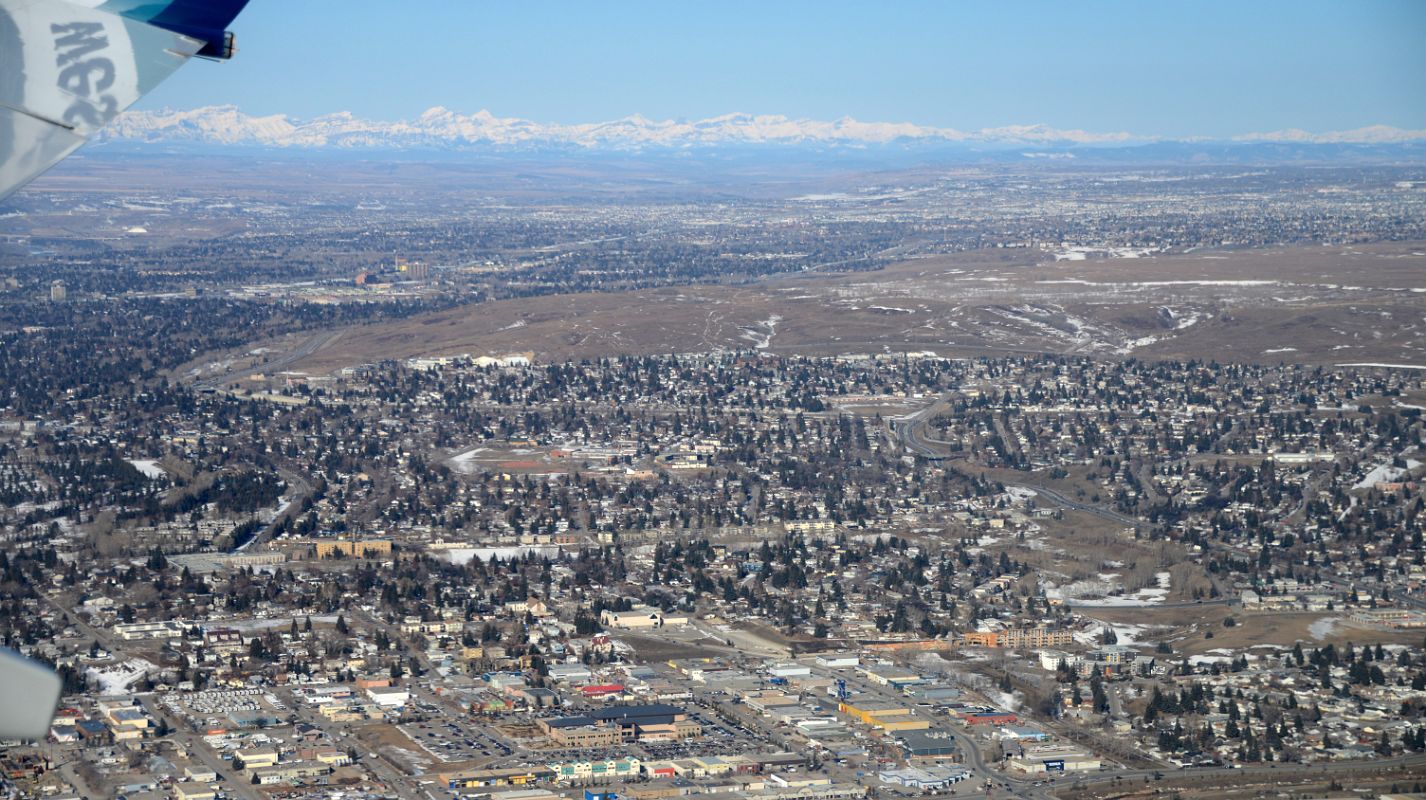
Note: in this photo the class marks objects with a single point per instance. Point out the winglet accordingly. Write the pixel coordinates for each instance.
(204, 20)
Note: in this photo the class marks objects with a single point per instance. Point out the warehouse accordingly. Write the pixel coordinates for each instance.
(927, 744)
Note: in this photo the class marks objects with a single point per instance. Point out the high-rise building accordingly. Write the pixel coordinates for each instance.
(412, 270)
(58, 292)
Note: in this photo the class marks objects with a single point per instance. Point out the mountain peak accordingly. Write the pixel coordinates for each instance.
(441, 127)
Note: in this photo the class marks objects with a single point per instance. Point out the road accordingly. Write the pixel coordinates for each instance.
(1277, 772)
(1045, 788)
(298, 490)
(1102, 513)
(910, 431)
(197, 750)
(982, 773)
(1221, 601)
(307, 348)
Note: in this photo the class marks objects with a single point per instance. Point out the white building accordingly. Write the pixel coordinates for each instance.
(636, 618)
(139, 631)
(389, 696)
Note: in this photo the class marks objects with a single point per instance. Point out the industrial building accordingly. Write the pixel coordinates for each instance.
(618, 724)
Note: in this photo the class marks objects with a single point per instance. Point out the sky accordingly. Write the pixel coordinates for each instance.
(1160, 68)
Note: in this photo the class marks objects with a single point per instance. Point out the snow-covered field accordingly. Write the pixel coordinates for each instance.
(1385, 366)
(1129, 635)
(464, 463)
(1019, 494)
(1385, 473)
(1323, 628)
(462, 555)
(148, 467)
(118, 678)
(762, 339)
(1101, 592)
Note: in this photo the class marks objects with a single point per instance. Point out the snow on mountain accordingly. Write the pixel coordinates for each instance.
(441, 127)
(1372, 134)
(217, 125)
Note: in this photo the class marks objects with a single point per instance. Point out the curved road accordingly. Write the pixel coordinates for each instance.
(307, 348)
(910, 431)
(1102, 513)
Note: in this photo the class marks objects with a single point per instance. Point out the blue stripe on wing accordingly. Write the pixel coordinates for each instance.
(205, 20)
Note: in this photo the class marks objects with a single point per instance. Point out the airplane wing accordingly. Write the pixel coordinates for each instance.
(68, 67)
(29, 693)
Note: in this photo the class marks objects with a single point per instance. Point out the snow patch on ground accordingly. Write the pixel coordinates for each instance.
(1020, 494)
(1384, 366)
(1083, 253)
(119, 678)
(762, 336)
(1010, 701)
(1105, 591)
(148, 467)
(1143, 597)
(1323, 627)
(246, 625)
(463, 555)
(464, 463)
(1385, 473)
(1128, 634)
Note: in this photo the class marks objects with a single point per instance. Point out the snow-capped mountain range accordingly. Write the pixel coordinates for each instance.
(443, 128)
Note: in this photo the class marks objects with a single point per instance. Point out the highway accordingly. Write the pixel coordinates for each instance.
(1102, 513)
(910, 431)
(307, 348)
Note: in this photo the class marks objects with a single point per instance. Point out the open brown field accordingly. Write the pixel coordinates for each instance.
(661, 648)
(1320, 305)
(1186, 628)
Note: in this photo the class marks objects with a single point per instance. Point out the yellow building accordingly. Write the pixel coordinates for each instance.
(909, 724)
(872, 713)
(257, 757)
(194, 791)
(475, 778)
(1017, 638)
(352, 548)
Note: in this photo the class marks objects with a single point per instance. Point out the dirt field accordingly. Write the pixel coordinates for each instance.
(396, 745)
(1186, 628)
(1297, 784)
(655, 648)
(1326, 305)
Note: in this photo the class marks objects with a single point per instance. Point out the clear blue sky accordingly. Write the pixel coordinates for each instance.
(1152, 67)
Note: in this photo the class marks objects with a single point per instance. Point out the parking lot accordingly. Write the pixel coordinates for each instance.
(451, 741)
